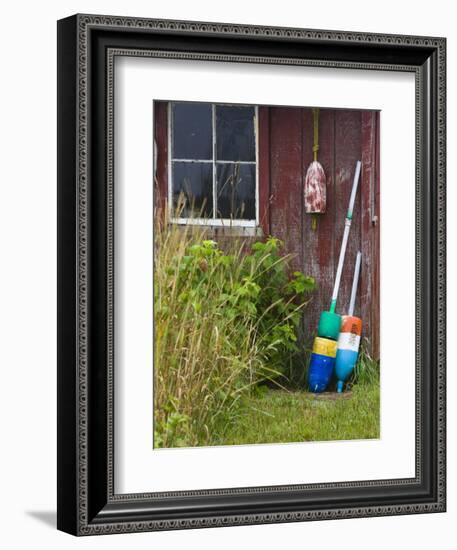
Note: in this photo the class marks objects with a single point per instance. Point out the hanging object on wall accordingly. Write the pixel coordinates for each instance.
(320, 371)
(315, 190)
(349, 338)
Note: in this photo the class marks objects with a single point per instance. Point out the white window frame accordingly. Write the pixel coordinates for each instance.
(213, 222)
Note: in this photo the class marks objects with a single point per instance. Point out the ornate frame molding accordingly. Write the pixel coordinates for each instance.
(79, 512)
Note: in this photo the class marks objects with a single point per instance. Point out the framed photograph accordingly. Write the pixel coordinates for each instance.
(251, 274)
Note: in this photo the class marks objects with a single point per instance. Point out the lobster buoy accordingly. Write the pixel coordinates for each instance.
(322, 364)
(349, 338)
(348, 349)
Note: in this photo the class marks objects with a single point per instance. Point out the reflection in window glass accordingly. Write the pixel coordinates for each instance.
(193, 189)
(213, 161)
(192, 131)
(235, 137)
(236, 191)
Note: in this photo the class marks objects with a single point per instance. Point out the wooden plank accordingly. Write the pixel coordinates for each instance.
(365, 288)
(286, 180)
(318, 257)
(369, 284)
(376, 284)
(264, 168)
(348, 150)
(161, 155)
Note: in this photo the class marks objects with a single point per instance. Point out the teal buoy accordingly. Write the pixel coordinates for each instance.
(345, 362)
(329, 325)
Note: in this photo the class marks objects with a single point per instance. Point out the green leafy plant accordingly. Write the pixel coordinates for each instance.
(225, 320)
(280, 302)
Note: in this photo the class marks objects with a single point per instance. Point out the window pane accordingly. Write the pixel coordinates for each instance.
(192, 131)
(236, 191)
(235, 139)
(193, 189)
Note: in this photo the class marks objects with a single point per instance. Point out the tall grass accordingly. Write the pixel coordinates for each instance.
(215, 338)
(367, 369)
(202, 359)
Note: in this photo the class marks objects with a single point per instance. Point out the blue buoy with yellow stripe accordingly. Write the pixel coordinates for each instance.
(322, 364)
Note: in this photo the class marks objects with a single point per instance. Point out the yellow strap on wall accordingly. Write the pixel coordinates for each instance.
(316, 132)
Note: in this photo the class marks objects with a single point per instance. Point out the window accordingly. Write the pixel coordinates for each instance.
(213, 163)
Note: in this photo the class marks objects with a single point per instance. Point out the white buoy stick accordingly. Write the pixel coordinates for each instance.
(347, 227)
(355, 283)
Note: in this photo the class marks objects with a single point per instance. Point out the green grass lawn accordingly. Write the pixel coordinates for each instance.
(281, 416)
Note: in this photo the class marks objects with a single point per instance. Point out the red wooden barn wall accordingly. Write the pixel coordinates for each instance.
(345, 136)
(285, 151)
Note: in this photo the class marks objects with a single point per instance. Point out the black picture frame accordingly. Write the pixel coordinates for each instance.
(87, 45)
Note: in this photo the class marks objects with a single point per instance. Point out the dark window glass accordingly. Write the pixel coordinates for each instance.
(235, 137)
(193, 189)
(236, 191)
(192, 131)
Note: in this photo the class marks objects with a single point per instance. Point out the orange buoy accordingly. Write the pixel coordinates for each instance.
(351, 324)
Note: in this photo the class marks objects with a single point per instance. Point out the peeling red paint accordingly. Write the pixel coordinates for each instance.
(285, 153)
(161, 143)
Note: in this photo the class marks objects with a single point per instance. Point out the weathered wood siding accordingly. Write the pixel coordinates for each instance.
(345, 136)
(160, 154)
(285, 151)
